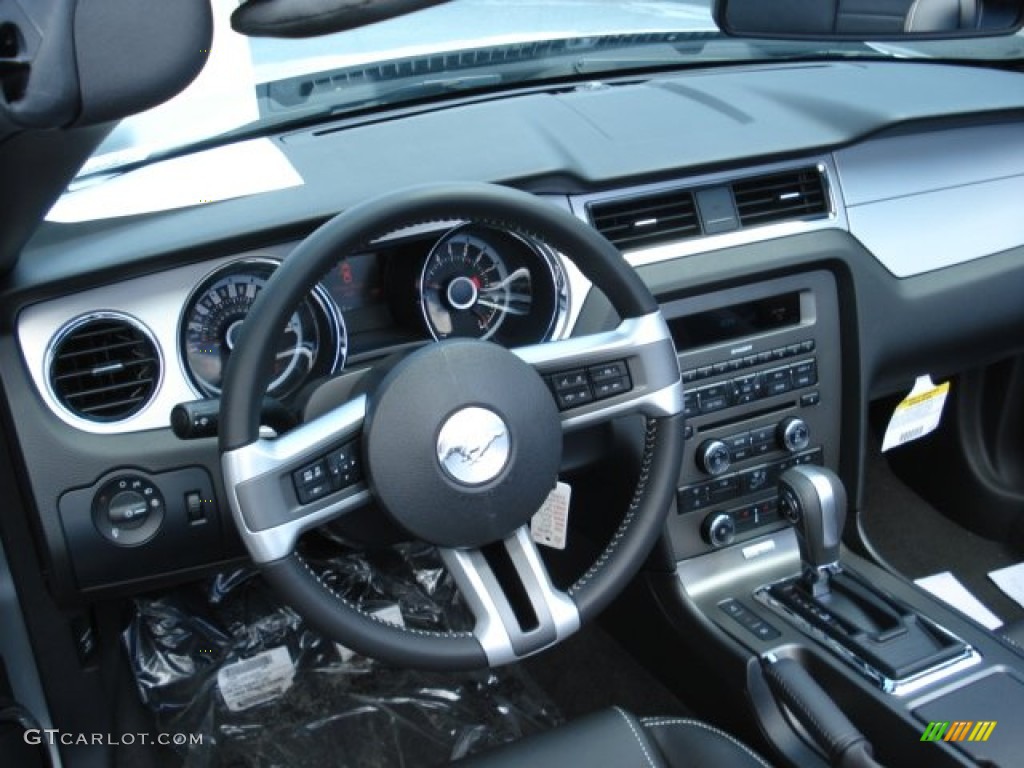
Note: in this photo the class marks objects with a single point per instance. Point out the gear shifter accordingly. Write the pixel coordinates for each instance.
(889, 639)
(814, 501)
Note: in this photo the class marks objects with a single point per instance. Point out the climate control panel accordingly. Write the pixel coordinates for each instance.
(761, 373)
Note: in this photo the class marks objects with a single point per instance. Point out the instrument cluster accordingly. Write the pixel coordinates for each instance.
(473, 281)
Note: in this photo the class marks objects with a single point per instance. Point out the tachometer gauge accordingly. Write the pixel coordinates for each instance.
(466, 289)
(312, 341)
(486, 283)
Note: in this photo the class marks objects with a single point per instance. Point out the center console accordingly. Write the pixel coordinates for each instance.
(772, 588)
(760, 367)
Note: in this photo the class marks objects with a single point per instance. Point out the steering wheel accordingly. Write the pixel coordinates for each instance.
(460, 442)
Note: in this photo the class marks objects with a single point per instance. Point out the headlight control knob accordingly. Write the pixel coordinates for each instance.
(713, 457)
(794, 435)
(128, 510)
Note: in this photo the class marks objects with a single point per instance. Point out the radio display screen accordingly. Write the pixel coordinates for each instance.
(737, 321)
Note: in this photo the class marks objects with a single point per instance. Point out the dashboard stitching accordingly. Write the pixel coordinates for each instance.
(634, 504)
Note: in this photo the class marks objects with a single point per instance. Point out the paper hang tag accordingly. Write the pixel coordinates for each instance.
(918, 414)
(256, 680)
(550, 524)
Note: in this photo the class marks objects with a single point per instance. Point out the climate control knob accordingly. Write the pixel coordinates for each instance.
(713, 457)
(718, 529)
(793, 434)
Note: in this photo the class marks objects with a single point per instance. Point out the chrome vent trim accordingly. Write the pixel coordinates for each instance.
(103, 367)
(782, 196)
(647, 219)
(827, 202)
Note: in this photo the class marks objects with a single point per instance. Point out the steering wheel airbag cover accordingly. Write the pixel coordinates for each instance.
(406, 414)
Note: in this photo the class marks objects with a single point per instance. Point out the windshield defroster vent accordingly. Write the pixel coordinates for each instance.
(783, 196)
(104, 367)
(639, 222)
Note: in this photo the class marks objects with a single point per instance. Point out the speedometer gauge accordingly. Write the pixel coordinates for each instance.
(485, 283)
(312, 341)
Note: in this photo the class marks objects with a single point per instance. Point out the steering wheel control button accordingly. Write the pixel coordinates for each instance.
(473, 446)
(462, 442)
(579, 387)
(337, 470)
(713, 457)
(344, 466)
(128, 510)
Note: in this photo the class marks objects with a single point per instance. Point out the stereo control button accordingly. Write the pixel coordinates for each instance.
(719, 530)
(692, 498)
(690, 407)
(713, 457)
(805, 374)
(794, 434)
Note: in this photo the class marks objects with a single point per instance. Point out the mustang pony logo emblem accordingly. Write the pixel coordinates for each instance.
(473, 454)
(473, 446)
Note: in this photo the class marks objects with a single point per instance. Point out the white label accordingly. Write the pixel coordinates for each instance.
(550, 525)
(918, 414)
(756, 550)
(256, 680)
(389, 613)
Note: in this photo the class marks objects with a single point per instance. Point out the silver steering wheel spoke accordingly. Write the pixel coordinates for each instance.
(519, 612)
(279, 488)
(594, 378)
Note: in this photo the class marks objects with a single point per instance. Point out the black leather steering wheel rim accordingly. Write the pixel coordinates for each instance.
(249, 372)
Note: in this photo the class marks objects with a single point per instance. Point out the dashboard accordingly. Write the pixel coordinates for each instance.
(808, 260)
(119, 359)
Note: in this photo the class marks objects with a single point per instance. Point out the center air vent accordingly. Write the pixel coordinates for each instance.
(782, 196)
(104, 368)
(644, 221)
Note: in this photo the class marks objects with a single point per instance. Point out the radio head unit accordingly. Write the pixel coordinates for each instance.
(761, 371)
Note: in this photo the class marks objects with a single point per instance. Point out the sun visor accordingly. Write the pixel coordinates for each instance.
(71, 62)
(308, 18)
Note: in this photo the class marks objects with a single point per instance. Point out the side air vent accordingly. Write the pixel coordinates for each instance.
(639, 222)
(104, 368)
(796, 194)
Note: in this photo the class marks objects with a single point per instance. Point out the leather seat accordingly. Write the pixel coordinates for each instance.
(613, 738)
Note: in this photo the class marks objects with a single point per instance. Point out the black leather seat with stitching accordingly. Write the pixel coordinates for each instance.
(613, 738)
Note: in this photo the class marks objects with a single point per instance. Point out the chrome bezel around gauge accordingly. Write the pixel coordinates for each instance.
(335, 340)
(539, 254)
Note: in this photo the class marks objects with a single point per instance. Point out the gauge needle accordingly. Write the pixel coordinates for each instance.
(508, 308)
(511, 278)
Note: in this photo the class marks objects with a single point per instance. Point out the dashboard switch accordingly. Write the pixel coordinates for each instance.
(719, 530)
(194, 510)
(713, 457)
(793, 434)
(128, 510)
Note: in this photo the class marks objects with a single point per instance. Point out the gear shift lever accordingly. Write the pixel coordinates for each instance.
(814, 501)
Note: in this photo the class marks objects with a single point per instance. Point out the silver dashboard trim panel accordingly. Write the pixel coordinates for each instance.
(905, 195)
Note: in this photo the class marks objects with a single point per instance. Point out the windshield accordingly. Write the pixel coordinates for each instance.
(468, 46)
